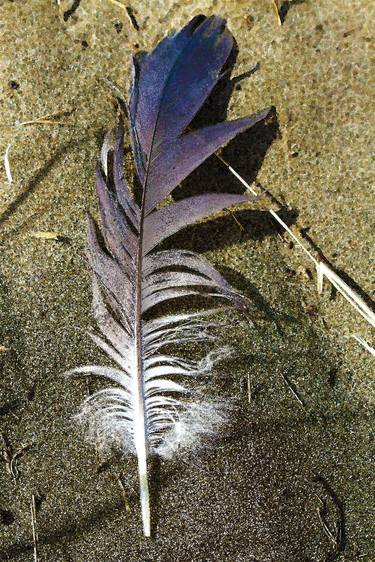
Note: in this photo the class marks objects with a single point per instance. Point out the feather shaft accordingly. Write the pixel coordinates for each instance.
(140, 430)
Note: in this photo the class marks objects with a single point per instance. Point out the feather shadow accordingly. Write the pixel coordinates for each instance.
(248, 151)
(223, 232)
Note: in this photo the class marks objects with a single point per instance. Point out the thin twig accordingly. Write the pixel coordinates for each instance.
(10, 457)
(293, 390)
(33, 525)
(117, 3)
(241, 227)
(131, 17)
(249, 388)
(326, 529)
(337, 537)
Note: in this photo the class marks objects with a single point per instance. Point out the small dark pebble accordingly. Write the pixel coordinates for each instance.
(347, 33)
(39, 499)
(31, 392)
(305, 230)
(290, 272)
(312, 312)
(238, 87)
(118, 25)
(14, 84)
(6, 517)
(288, 494)
(250, 20)
(308, 273)
(332, 377)
(84, 44)
(294, 154)
(9, 407)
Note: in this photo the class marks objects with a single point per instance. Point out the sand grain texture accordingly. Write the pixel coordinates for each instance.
(253, 497)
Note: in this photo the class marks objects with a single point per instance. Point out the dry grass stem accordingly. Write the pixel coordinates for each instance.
(46, 235)
(364, 343)
(293, 390)
(322, 269)
(33, 525)
(241, 227)
(7, 164)
(49, 119)
(44, 122)
(273, 213)
(249, 388)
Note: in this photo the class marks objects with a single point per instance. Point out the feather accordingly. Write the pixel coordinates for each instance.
(152, 409)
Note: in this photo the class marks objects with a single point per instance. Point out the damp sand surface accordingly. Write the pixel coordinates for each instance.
(291, 479)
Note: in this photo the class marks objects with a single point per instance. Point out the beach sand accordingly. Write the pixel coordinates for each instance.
(297, 449)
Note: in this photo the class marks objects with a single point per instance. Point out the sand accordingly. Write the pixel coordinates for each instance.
(301, 442)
